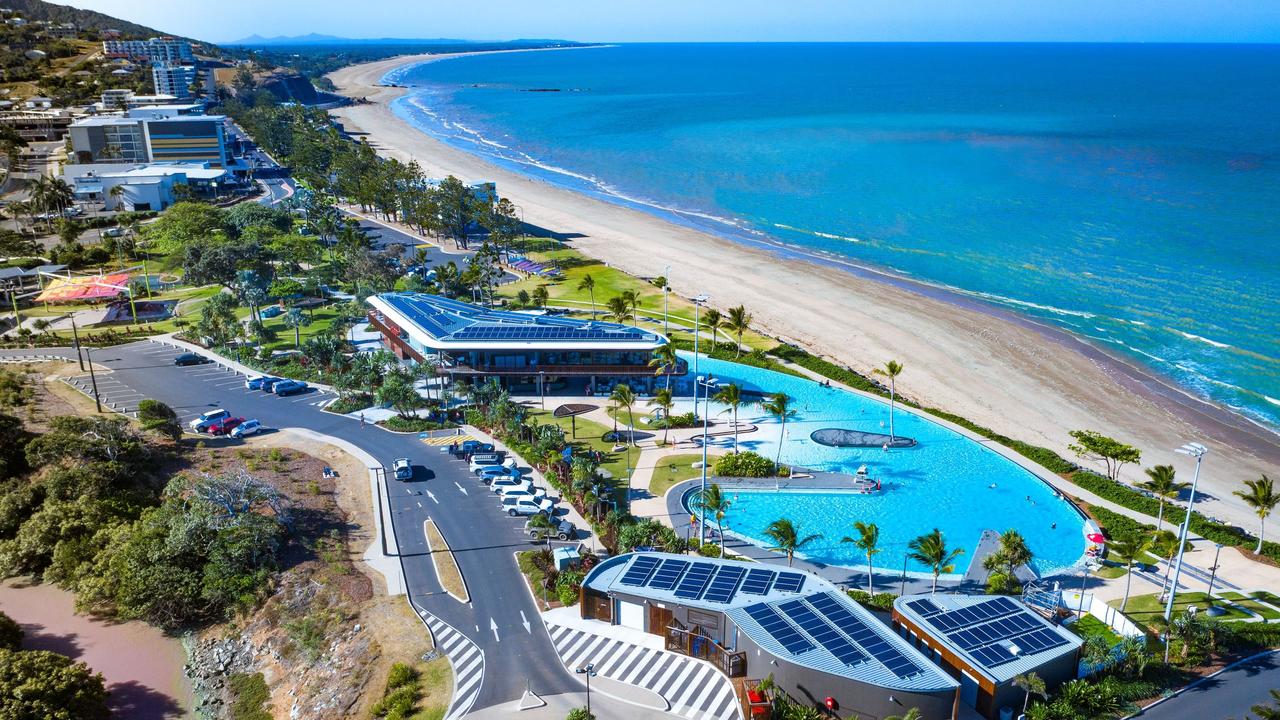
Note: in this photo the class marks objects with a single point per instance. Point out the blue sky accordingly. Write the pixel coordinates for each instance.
(717, 20)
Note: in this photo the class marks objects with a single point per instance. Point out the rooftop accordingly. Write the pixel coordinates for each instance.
(997, 636)
(798, 617)
(443, 324)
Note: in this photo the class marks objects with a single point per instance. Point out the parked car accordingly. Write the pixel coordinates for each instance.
(487, 460)
(191, 359)
(402, 469)
(497, 472)
(496, 484)
(209, 419)
(269, 382)
(515, 506)
(246, 428)
(225, 425)
(272, 311)
(113, 232)
(470, 447)
(255, 383)
(523, 486)
(289, 387)
(562, 530)
(523, 491)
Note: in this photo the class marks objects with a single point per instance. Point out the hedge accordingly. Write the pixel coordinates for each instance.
(744, 464)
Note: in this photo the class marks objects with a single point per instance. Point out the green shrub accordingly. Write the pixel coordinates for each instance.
(709, 550)
(10, 633)
(879, 601)
(580, 713)
(744, 464)
(401, 694)
(415, 424)
(249, 696)
(567, 586)
(350, 404)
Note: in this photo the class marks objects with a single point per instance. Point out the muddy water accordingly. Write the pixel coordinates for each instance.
(142, 666)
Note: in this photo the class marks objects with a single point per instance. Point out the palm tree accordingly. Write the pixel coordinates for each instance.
(779, 406)
(623, 397)
(1127, 551)
(912, 714)
(619, 309)
(296, 319)
(1012, 554)
(867, 541)
(540, 296)
(663, 400)
(931, 550)
(731, 395)
(713, 320)
(786, 538)
(713, 501)
(665, 360)
(588, 283)
(1262, 497)
(116, 192)
(891, 369)
(1031, 684)
(1269, 711)
(1164, 543)
(738, 323)
(1163, 486)
(633, 304)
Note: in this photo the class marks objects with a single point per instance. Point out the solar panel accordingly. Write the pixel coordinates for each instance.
(789, 582)
(972, 615)
(779, 629)
(638, 574)
(924, 608)
(823, 632)
(695, 581)
(993, 656)
(758, 582)
(994, 631)
(871, 642)
(1038, 641)
(669, 574)
(725, 584)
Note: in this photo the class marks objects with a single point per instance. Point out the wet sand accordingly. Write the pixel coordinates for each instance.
(141, 665)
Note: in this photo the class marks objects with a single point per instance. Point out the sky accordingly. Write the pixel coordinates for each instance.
(715, 20)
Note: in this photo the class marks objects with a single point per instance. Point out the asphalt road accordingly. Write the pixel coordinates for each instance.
(1229, 694)
(501, 617)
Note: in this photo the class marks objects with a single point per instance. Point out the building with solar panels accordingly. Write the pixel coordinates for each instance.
(985, 642)
(751, 620)
(534, 352)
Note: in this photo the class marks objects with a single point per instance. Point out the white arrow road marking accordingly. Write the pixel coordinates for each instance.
(494, 627)
(525, 622)
(464, 490)
(433, 497)
(419, 504)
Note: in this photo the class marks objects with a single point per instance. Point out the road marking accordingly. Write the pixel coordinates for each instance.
(419, 504)
(464, 490)
(433, 497)
(494, 627)
(525, 622)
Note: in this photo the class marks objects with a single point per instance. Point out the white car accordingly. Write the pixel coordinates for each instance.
(206, 420)
(500, 484)
(246, 428)
(479, 461)
(527, 506)
(524, 491)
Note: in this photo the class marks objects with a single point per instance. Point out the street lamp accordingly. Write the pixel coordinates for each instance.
(666, 292)
(1197, 451)
(707, 384)
(1089, 567)
(589, 670)
(697, 301)
(1213, 571)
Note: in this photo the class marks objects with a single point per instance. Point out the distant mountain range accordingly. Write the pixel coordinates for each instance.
(319, 39)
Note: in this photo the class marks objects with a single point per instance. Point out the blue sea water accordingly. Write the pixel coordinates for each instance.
(1127, 193)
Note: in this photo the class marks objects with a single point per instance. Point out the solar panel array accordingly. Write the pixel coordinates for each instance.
(758, 582)
(539, 332)
(694, 582)
(443, 317)
(924, 608)
(705, 581)
(779, 629)
(862, 633)
(988, 630)
(823, 632)
(669, 574)
(789, 582)
(725, 585)
(640, 571)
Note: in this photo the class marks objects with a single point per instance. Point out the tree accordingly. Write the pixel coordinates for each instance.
(218, 320)
(13, 244)
(868, 541)
(1091, 445)
(664, 361)
(43, 685)
(588, 283)
(787, 539)
(931, 551)
(779, 406)
(1270, 711)
(185, 224)
(503, 223)
(325, 351)
(892, 370)
(1164, 543)
(1031, 684)
(664, 401)
(1161, 483)
(247, 215)
(619, 309)
(1003, 564)
(912, 714)
(713, 320)
(10, 633)
(159, 417)
(633, 304)
(1126, 551)
(1260, 495)
(296, 319)
(539, 296)
(623, 397)
(715, 502)
(739, 322)
(13, 443)
(731, 395)
(209, 264)
(397, 391)
(458, 209)
(115, 193)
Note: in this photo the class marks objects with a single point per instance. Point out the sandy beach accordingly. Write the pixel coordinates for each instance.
(1003, 371)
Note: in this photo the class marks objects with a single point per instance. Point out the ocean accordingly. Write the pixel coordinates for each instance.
(1129, 194)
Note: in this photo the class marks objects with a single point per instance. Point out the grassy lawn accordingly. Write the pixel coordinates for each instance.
(1090, 626)
(674, 469)
(1111, 571)
(1148, 610)
(1267, 597)
(322, 323)
(1265, 612)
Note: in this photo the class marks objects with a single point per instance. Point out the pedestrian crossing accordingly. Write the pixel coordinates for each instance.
(444, 440)
(695, 689)
(467, 660)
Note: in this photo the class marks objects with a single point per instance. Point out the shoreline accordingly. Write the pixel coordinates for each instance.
(994, 366)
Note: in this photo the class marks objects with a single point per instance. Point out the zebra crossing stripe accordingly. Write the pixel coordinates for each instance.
(466, 659)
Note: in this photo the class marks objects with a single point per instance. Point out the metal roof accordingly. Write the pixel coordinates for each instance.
(440, 323)
(816, 626)
(988, 632)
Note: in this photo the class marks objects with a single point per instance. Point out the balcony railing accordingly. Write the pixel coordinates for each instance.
(391, 334)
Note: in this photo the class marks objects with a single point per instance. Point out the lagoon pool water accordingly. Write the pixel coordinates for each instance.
(946, 481)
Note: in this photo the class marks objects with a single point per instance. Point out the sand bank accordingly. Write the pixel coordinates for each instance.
(998, 369)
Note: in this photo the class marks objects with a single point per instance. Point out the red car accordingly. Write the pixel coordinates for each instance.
(225, 426)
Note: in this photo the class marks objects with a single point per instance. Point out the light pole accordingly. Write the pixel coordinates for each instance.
(1213, 571)
(93, 379)
(697, 305)
(1084, 583)
(706, 384)
(1197, 451)
(75, 334)
(589, 670)
(666, 292)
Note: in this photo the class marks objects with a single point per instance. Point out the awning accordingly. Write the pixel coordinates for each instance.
(94, 287)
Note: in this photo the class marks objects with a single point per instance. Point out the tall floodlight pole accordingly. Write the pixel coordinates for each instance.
(666, 292)
(75, 335)
(706, 384)
(697, 305)
(1197, 451)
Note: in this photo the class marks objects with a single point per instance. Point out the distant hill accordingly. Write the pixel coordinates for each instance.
(88, 19)
(331, 40)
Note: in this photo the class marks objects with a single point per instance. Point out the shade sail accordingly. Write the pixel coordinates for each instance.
(94, 287)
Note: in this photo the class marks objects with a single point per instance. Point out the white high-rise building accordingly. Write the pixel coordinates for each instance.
(175, 80)
(157, 49)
